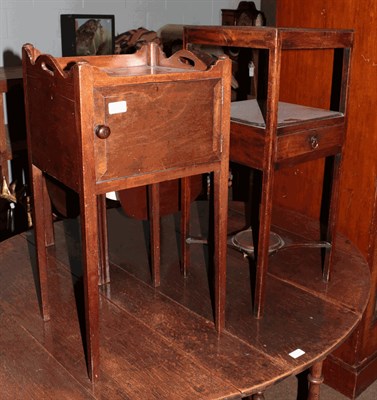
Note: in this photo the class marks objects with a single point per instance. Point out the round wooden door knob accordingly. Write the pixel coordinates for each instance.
(102, 131)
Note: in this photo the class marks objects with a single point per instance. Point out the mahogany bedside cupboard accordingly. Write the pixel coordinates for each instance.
(105, 123)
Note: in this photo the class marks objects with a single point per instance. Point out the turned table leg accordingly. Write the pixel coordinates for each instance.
(315, 379)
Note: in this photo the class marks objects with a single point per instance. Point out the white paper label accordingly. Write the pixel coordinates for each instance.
(251, 69)
(297, 353)
(112, 196)
(117, 107)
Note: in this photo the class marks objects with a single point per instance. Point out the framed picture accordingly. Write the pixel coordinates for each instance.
(84, 35)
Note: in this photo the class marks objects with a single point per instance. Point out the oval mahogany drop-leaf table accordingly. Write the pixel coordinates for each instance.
(161, 343)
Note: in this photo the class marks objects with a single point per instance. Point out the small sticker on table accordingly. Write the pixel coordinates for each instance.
(117, 107)
(297, 353)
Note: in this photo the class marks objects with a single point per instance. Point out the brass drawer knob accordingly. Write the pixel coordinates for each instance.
(314, 143)
(102, 131)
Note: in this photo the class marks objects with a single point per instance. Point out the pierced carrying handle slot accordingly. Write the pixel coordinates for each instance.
(45, 62)
(48, 68)
(186, 59)
(48, 64)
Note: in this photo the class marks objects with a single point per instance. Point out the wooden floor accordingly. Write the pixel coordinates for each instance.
(161, 343)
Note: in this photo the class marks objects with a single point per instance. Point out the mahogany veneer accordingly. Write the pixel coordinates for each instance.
(160, 342)
(106, 123)
(267, 134)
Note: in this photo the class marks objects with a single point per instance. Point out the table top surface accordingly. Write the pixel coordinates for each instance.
(265, 37)
(9, 74)
(161, 343)
(280, 29)
(248, 112)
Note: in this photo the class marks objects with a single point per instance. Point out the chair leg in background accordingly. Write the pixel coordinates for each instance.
(103, 265)
(155, 231)
(185, 223)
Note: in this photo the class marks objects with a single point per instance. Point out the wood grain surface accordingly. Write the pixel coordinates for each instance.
(161, 343)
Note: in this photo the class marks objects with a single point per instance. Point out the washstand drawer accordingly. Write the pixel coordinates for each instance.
(308, 143)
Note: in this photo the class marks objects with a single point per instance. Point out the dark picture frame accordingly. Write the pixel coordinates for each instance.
(87, 34)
